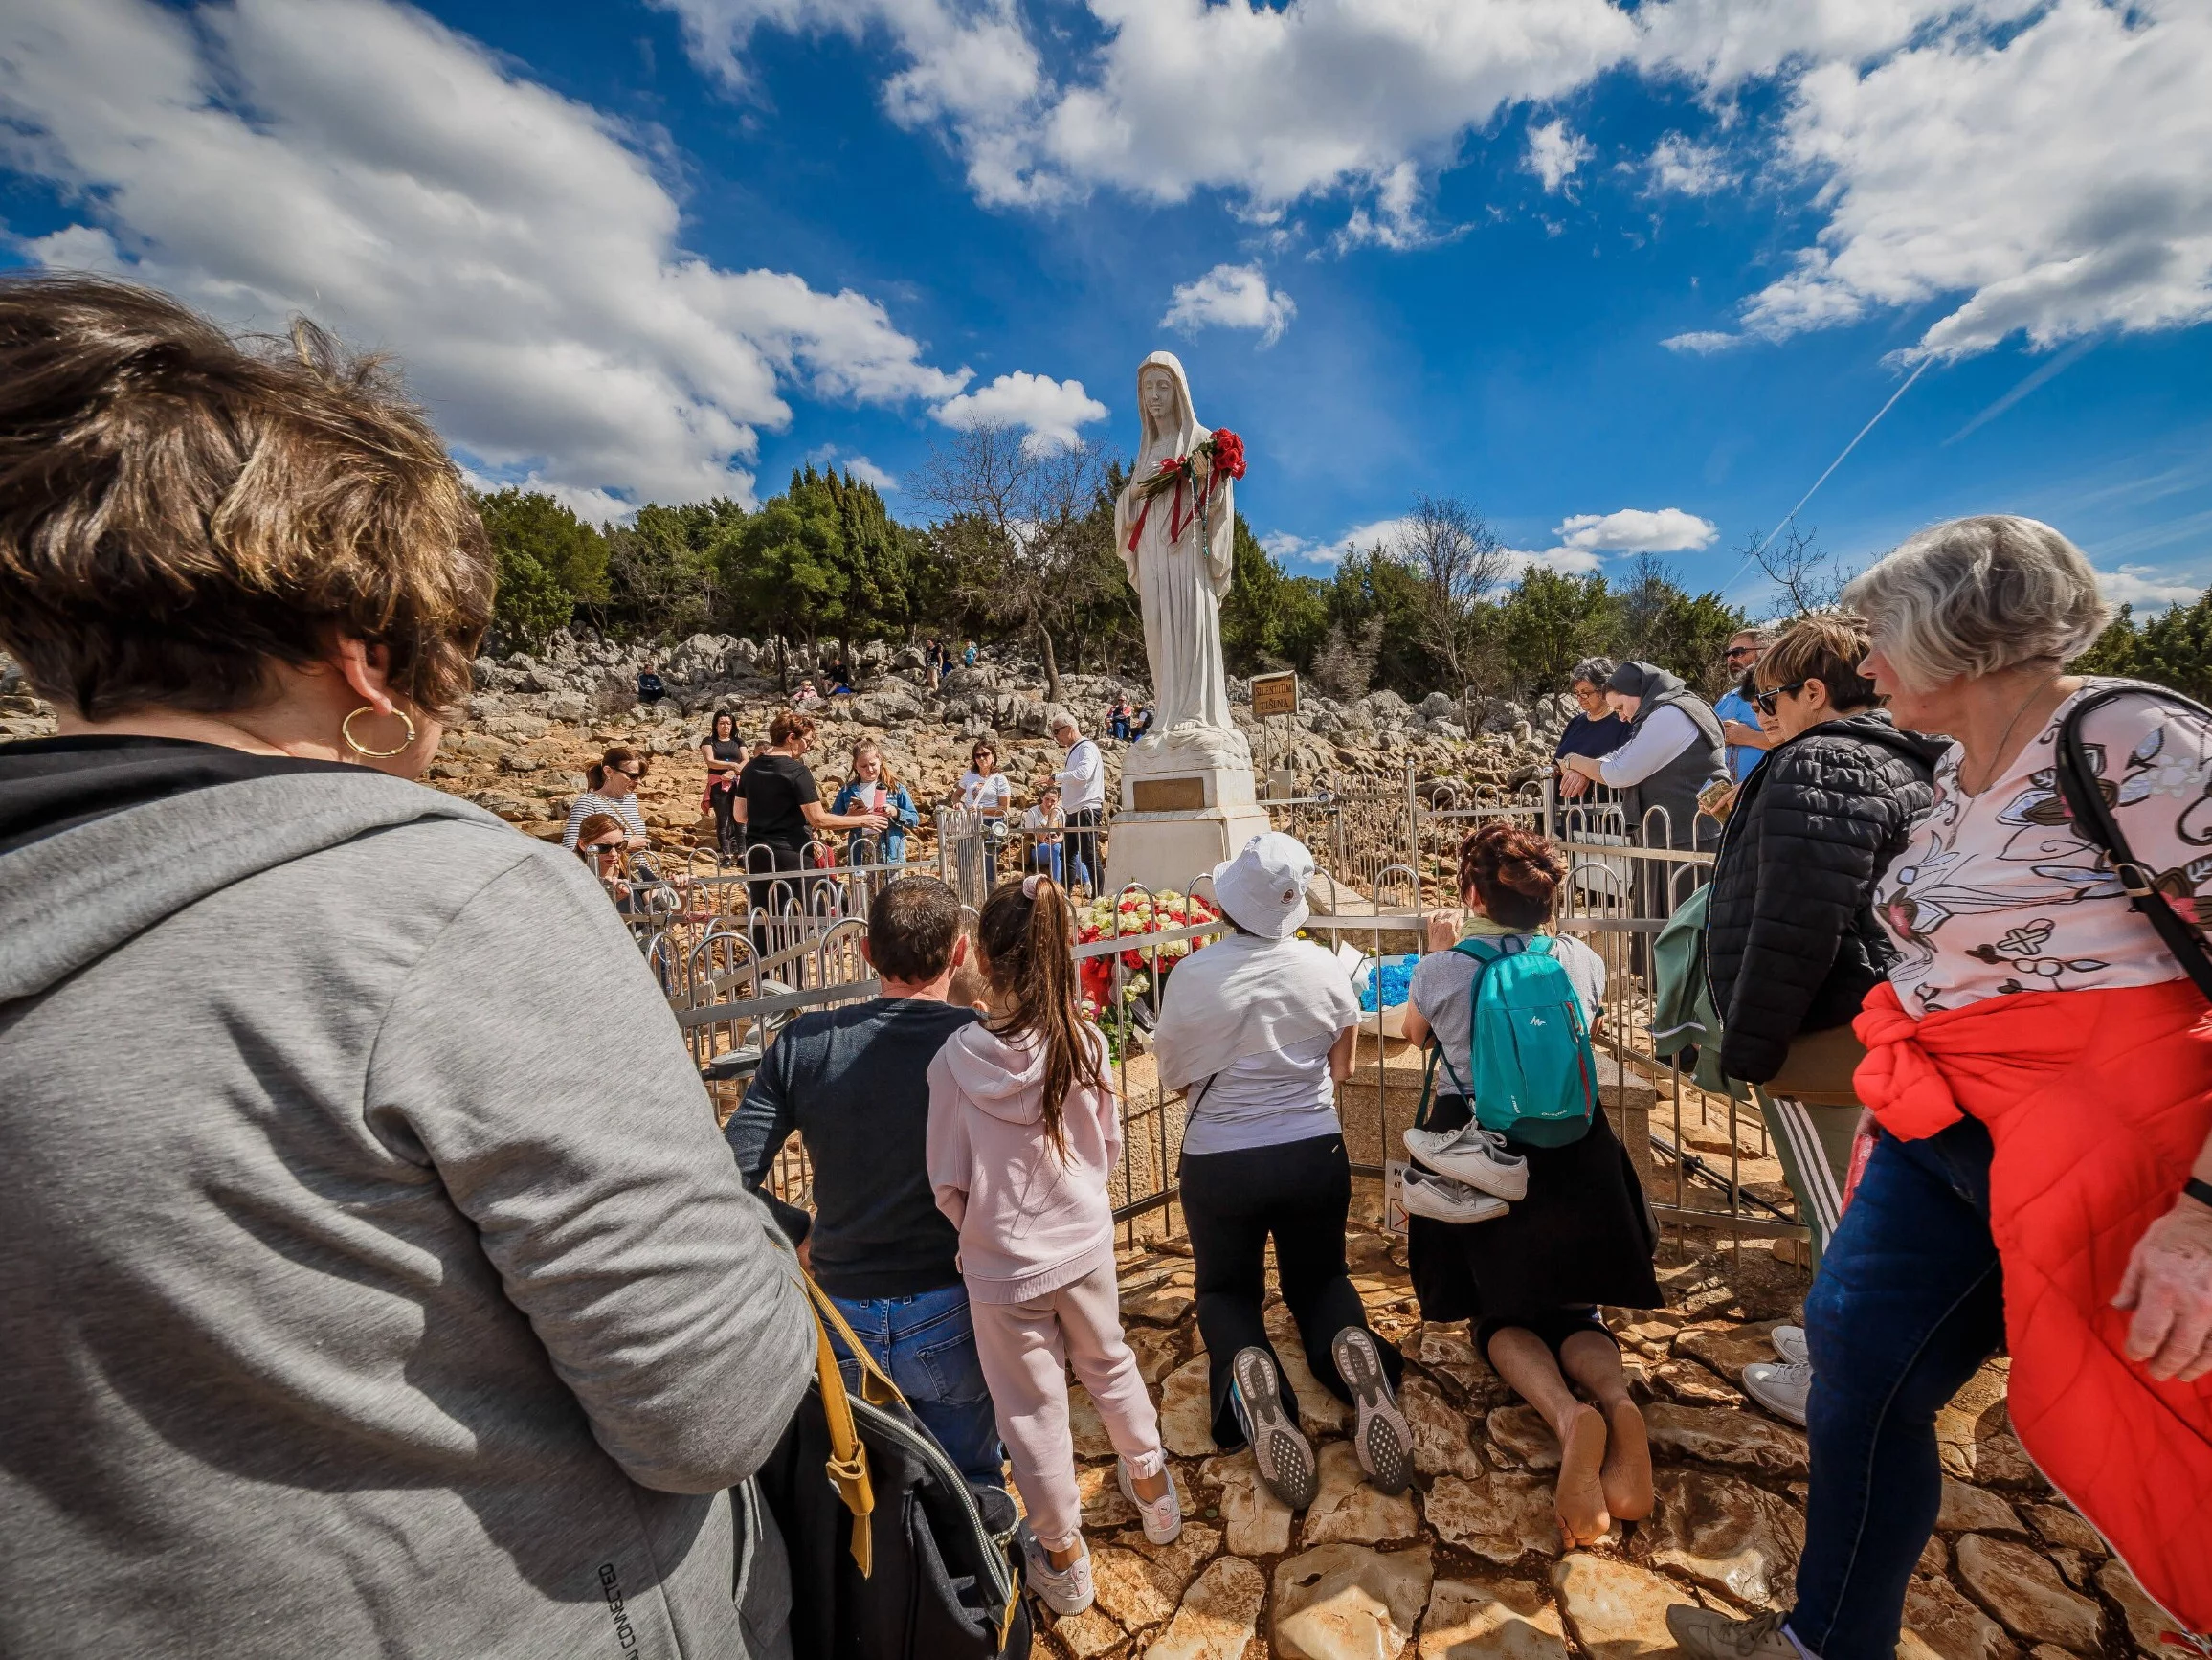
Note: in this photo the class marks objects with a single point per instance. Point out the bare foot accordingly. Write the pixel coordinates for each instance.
(1580, 1500)
(1627, 1475)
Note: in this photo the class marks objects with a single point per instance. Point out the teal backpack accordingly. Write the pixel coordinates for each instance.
(1534, 1072)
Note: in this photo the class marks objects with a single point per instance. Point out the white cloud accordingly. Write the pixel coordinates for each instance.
(1566, 561)
(2143, 587)
(1703, 342)
(859, 466)
(1685, 168)
(1271, 105)
(1556, 154)
(2048, 180)
(1637, 530)
(1052, 410)
(1230, 297)
(361, 162)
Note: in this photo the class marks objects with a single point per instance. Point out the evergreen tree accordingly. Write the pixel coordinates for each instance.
(784, 569)
(549, 562)
(1552, 622)
(662, 577)
(1269, 619)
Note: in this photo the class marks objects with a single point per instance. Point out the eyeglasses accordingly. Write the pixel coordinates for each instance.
(1764, 702)
(1735, 651)
(1587, 693)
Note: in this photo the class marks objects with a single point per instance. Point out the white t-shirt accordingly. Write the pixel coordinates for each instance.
(1995, 893)
(985, 795)
(1038, 819)
(1265, 1100)
(1665, 735)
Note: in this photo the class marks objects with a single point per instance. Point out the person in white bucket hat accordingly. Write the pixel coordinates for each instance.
(1257, 1029)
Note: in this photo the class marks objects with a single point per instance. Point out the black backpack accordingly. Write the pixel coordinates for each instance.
(2088, 799)
(893, 1555)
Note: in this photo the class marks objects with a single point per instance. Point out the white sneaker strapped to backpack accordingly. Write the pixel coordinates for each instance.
(1532, 1073)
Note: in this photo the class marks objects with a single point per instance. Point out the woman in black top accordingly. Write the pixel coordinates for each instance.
(723, 753)
(781, 810)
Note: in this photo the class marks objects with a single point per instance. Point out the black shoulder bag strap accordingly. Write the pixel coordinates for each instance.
(2089, 805)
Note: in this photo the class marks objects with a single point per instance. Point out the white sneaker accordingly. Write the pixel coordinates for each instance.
(1443, 1200)
(1163, 1517)
(1781, 1387)
(1064, 1590)
(1790, 1344)
(1474, 1155)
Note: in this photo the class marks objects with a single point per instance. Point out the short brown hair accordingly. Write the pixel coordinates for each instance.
(180, 509)
(596, 826)
(1514, 872)
(787, 725)
(911, 928)
(1824, 645)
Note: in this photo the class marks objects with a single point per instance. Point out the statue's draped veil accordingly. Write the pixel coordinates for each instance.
(1187, 433)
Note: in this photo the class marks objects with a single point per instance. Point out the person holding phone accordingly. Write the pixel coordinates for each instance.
(872, 789)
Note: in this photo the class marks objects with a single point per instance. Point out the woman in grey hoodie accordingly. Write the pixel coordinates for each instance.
(372, 1277)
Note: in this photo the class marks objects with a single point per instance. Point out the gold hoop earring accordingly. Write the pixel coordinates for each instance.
(345, 731)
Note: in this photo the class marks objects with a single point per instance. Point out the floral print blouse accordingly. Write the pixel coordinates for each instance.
(1996, 894)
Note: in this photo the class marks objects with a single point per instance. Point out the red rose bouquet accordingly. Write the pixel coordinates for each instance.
(1220, 455)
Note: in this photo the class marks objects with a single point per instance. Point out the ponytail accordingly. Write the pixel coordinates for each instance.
(1027, 936)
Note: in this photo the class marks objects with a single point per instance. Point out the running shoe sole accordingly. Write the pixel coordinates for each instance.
(1382, 1436)
(1477, 1170)
(1284, 1456)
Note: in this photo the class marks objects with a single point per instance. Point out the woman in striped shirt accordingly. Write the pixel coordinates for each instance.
(613, 789)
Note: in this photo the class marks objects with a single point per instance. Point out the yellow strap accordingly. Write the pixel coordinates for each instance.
(848, 1462)
(876, 1385)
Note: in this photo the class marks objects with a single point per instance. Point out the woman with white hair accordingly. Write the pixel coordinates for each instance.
(2041, 1069)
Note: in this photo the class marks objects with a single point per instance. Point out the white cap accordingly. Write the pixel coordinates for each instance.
(1263, 889)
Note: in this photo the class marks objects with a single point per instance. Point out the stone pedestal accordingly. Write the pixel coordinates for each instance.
(1178, 818)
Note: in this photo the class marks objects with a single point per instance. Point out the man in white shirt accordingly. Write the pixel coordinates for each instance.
(1081, 797)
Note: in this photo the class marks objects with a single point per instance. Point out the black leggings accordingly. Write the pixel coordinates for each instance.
(1299, 1191)
(728, 835)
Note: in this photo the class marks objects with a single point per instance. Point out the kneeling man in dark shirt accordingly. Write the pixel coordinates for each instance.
(854, 1084)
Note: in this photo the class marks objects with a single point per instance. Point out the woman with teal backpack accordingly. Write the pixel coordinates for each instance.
(1526, 1213)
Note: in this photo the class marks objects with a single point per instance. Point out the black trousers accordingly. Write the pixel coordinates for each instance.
(728, 834)
(1081, 863)
(1300, 1194)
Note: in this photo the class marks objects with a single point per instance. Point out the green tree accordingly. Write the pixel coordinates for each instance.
(2173, 649)
(663, 577)
(1375, 595)
(549, 562)
(784, 569)
(1552, 622)
(1269, 619)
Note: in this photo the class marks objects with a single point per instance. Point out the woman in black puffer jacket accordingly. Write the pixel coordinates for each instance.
(1791, 947)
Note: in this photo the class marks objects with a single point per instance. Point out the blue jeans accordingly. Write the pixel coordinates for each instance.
(927, 1344)
(1909, 1302)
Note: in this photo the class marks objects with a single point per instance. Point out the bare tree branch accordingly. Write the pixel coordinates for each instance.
(1461, 560)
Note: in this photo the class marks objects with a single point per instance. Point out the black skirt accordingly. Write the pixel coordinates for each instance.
(1584, 1234)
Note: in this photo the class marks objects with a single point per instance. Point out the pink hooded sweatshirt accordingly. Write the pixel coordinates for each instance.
(1029, 1222)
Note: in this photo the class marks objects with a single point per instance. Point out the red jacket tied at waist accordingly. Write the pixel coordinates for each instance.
(2097, 1102)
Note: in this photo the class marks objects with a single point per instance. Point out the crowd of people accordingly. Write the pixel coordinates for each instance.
(398, 1294)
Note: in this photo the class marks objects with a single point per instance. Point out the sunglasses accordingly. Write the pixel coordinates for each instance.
(1735, 651)
(1764, 702)
(603, 848)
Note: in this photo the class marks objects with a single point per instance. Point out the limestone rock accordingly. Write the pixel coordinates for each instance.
(2025, 1592)
(1727, 1347)
(1973, 1510)
(2061, 1526)
(1941, 1625)
(1349, 1507)
(1219, 1615)
(1319, 1412)
(1126, 1590)
(1440, 1445)
(1090, 1635)
(1504, 1517)
(1446, 1351)
(1521, 1432)
(1173, 1567)
(1187, 1412)
(1345, 1602)
(1727, 1534)
(1974, 1437)
(1490, 1618)
(1616, 1611)
(1158, 1352)
(1162, 1308)
(1689, 1381)
(1721, 1437)
(1103, 1503)
(1258, 1522)
(1092, 1440)
(2147, 1623)
(1935, 1557)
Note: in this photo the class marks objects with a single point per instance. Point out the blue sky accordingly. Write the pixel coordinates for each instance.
(1625, 277)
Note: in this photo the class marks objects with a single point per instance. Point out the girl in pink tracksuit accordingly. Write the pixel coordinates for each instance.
(1023, 1135)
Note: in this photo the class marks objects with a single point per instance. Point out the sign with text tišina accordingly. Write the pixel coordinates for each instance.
(1274, 694)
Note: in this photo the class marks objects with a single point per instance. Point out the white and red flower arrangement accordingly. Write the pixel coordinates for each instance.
(1131, 917)
(1191, 475)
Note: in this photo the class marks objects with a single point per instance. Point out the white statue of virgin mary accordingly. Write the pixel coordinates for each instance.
(1180, 563)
